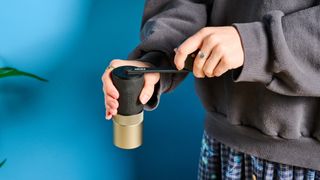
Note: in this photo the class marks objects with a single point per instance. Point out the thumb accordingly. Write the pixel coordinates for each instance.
(150, 79)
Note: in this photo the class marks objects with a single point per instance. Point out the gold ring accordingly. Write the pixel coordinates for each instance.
(109, 67)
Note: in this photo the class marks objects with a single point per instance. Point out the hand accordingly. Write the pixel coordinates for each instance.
(220, 51)
(111, 94)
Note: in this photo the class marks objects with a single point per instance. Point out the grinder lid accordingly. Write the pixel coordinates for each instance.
(121, 72)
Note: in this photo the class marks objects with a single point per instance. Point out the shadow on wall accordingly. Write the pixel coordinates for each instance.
(57, 130)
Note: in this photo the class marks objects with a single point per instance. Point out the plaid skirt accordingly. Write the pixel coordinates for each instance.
(218, 161)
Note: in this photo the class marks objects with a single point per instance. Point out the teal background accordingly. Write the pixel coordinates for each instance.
(56, 130)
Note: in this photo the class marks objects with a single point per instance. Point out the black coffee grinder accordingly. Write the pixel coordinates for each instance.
(129, 81)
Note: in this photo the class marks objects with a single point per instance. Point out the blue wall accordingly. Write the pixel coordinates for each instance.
(57, 130)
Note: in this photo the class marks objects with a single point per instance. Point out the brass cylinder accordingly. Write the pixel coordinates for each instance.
(127, 131)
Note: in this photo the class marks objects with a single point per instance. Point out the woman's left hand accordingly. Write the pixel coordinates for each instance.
(220, 51)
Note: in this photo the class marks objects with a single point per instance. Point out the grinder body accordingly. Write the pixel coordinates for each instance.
(128, 123)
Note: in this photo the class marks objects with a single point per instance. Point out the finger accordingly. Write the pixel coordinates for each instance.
(113, 112)
(198, 65)
(221, 68)
(150, 80)
(109, 109)
(112, 103)
(108, 114)
(212, 62)
(189, 46)
(202, 57)
(108, 87)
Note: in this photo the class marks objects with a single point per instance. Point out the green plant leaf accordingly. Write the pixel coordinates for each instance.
(8, 71)
(2, 163)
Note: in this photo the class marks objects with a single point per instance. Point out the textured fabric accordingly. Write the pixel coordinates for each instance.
(165, 25)
(218, 161)
(270, 106)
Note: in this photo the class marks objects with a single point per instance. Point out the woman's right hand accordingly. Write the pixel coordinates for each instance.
(111, 94)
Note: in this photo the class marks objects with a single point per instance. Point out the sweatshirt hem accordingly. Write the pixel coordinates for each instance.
(303, 152)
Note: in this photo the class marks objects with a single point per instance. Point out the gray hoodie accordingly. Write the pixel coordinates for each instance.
(269, 107)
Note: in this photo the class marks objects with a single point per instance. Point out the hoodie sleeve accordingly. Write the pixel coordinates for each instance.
(283, 52)
(165, 25)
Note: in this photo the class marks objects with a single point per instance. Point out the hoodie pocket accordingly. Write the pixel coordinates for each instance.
(316, 132)
(273, 114)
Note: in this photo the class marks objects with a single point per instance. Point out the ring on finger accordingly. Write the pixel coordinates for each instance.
(201, 55)
(110, 67)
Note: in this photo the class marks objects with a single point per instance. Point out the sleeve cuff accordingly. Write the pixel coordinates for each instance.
(157, 59)
(256, 56)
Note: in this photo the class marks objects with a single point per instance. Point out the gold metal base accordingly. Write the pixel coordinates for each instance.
(127, 131)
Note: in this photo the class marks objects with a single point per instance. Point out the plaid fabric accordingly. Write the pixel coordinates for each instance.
(218, 161)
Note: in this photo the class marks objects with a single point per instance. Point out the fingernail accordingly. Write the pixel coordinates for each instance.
(144, 99)
(175, 50)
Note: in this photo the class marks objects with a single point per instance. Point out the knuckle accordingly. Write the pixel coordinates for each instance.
(195, 72)
(111, 104)
(219, 48)
(218, 72)
(115, 104)
(108, 87)
(198, 66)
(180, 51)
(212, 38)
(112, 111)
(207, 72)
(198, 74)
(111, 100)
(222, 49)
(115, 62)
(224, 64)
(103, 77)
(203, 30)
(108, 107)
(114, 107)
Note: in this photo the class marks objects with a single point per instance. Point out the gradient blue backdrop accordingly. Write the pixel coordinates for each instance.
(57, 130)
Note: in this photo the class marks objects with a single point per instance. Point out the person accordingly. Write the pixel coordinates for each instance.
(257, 75)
